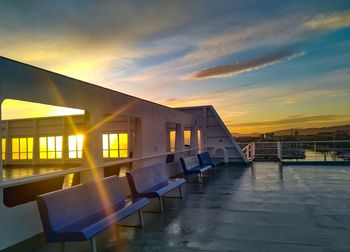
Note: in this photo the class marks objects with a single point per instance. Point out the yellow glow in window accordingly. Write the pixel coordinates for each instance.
(123, 145)
(3, 148)
(199, 138)
(43, 147)
(50, 147)
(30, 147)
(187, 137)
(172, 138)
(115, 145)
(75, 146)
(22, 148)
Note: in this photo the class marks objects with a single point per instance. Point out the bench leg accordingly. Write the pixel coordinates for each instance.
(141, 218)
(201, 178)
(93, 245)
(62, 246)
(161, 204)
(180, 192)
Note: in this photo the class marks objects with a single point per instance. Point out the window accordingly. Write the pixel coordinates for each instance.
(187, 137)
(172, 139)
(3, 148)
(199, 138)
(75, 146)
(115, 145)
(22, 148)
(50, 147)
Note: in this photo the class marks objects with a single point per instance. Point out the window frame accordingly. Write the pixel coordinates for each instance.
(47, 151)
(27, 152)
(77, 150)
(118, 149)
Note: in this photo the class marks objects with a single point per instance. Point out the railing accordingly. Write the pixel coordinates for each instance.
(337, 150)
(40, 177)
(249, 151)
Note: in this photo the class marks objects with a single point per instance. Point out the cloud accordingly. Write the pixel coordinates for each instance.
(292, 120)
(192, 101)
(329, 22)
(85, 38)
(231, 39)
(278, 32)
(245, 66)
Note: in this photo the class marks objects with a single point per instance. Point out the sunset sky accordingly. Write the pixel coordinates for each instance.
(264, 65)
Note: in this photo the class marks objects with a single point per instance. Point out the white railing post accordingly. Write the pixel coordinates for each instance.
(279, 151)
(253, 151)
(315, 150)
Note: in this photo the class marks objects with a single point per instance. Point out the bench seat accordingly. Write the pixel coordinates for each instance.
(162, 188)
(151, 182)
(88, 227)
(81, 212)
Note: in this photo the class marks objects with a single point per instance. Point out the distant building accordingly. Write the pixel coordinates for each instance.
(269, 136)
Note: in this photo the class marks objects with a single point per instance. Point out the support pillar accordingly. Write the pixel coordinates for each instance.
(179, 142)
(194, 138)
(92, 147)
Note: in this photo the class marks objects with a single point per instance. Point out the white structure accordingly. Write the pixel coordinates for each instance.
(107, 112)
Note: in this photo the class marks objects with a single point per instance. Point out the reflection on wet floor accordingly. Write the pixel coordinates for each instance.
(265, 207)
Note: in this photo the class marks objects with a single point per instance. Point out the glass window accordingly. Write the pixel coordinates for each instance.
(75, 146)
(123, 145)
(50, 147)
(199, 135)
(22, 148)
(3, 148)
(172, 139)
(187, 137)
(115, 145)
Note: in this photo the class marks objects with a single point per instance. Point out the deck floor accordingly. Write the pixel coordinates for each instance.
(259, 208)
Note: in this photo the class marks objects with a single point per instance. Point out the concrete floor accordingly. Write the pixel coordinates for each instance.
(263, 208)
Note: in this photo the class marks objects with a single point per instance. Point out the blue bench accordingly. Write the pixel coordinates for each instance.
(191, 165)
(81, 212)
(205, 159)
(151, 182)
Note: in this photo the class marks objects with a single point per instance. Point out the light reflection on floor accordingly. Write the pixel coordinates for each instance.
(263, 208)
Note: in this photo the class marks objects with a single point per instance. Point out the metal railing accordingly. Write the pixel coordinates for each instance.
(327, 151)
(40, 177)
(249, 151)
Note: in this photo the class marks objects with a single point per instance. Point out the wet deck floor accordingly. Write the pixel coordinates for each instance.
(264, 208)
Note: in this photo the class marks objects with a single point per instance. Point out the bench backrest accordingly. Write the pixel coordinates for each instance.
(204, 158)
(189, 162)
(60, 208)
(147, 177)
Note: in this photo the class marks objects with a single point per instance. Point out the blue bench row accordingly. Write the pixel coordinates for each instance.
(198, 164)
(81, 212)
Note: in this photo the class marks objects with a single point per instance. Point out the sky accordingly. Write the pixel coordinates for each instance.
(263, 65)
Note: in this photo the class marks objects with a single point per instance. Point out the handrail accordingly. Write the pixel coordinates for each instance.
(301, 141)
(40, 177)
(337, 149)
(247, 151)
